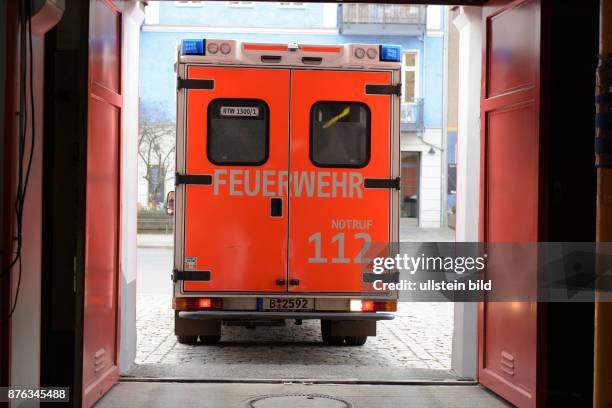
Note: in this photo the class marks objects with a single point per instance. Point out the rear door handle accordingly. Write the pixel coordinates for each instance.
(276, 207)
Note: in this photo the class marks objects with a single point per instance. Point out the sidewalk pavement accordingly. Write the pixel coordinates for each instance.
(155, 241)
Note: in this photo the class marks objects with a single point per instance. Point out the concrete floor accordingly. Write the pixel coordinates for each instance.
(228, 395)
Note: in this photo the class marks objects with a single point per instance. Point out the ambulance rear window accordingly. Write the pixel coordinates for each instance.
(340, 134)
(237, 132)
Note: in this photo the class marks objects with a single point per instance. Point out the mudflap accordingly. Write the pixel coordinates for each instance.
(353, 327)
(196, 327)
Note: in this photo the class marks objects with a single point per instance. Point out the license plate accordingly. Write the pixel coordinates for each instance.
(288, 304)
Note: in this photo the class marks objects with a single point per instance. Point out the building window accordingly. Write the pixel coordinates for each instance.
(291, 4)
(189, 3)
(340, 134)
(240, 4)
(237, 132)
(410, 66)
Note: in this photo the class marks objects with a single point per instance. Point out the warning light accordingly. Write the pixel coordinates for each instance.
(390, 53)
(192, 47)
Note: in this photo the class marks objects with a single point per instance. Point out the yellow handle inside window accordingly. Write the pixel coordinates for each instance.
(336, 118)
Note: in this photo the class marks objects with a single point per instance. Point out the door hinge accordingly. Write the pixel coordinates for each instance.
(194, 83)
(201, 179)
(74, 268)
(394, 183)
(202, 276)
(379, 89)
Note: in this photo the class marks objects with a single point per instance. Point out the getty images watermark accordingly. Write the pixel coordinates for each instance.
(414, 264)
(475, 271)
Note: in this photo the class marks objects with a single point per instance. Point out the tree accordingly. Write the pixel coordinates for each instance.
(156, 147)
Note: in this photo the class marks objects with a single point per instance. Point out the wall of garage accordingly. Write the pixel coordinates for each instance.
(469, 23)
(133, 17)
(25, 323)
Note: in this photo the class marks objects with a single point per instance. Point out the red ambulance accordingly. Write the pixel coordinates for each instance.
(287, 174)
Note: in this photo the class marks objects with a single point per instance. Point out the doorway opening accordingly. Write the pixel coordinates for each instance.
(411, 170)
(467, 157)
(418, 343)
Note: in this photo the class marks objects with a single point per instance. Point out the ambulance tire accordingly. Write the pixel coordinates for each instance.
(327, 337)
(186, 339)
(355, 340)
(210, 339)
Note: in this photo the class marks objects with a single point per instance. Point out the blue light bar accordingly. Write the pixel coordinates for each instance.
(192, 47)
(390, 53)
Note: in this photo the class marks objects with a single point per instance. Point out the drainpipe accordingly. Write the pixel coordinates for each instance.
(444, 150)
(602, 383)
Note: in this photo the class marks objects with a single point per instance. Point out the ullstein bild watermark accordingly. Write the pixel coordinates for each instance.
(413, 264)
(474, 271)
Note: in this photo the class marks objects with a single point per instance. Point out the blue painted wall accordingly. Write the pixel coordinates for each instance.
(218, 14)
(158, 54)
(158, 49)
(433, 77)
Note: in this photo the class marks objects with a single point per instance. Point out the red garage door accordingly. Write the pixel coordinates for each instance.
(508, 332)
(102, 228)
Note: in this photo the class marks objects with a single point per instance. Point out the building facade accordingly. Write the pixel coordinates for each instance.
(420, 30)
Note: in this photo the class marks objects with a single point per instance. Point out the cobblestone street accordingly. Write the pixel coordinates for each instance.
(415, 345)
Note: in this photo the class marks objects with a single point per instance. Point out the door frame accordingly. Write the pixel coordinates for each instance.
(79, 273)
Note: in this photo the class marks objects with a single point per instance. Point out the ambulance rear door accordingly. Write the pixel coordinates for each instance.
(234, 216)
(342, 175)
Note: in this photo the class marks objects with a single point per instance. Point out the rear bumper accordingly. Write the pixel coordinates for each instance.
(253, 315)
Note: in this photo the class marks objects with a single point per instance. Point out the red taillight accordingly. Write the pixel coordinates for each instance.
(358, 305)
(367, 306)
(194, 303)
(210, 303)
(387, 306)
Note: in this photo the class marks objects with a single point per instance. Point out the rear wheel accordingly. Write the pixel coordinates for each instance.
(186, 339)
(210, 339)
(355, 340)
(326, 334)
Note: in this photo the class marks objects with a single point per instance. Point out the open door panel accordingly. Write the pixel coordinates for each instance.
(101, 314)
(510, 183)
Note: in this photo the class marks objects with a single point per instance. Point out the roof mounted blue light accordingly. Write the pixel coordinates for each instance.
(390, 53)
(193, 47)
